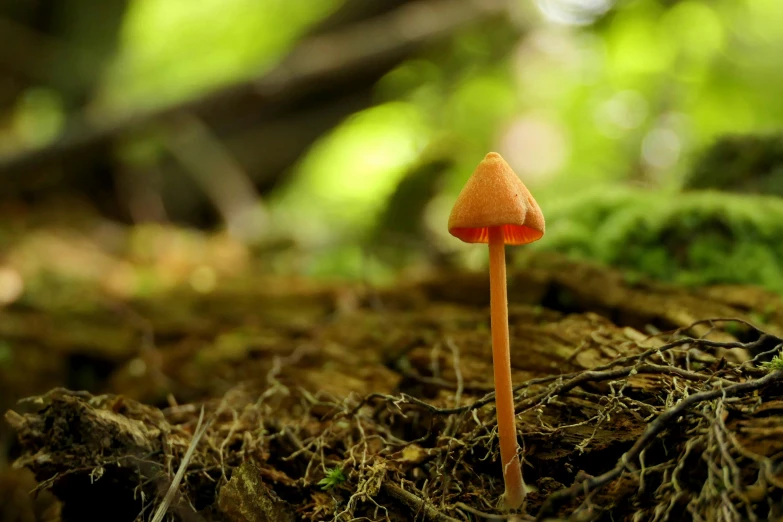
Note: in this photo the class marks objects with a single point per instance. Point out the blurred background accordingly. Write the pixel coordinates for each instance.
(181, 179)
(146, 144)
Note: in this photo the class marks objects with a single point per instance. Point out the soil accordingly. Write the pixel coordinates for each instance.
(297, 401)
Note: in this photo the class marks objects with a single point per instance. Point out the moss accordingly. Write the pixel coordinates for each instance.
(334, 477)
(741, 163)
(696, 237)
(776, 364)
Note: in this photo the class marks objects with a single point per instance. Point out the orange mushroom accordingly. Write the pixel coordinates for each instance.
(495, 207)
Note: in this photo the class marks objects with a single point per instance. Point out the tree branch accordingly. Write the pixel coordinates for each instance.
(318, 66)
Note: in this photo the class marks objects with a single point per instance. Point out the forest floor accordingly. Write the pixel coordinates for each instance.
(291, 400)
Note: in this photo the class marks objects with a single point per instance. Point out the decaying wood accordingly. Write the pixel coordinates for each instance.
(398, 396)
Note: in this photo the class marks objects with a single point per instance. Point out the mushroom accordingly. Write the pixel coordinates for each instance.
(495, 207)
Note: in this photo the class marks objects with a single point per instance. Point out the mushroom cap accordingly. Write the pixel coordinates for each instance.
(495, 196)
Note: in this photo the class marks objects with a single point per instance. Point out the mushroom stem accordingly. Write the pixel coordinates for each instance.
(504, 397)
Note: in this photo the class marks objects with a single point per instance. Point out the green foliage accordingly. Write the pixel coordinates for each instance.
(340, 182)
(605, 93)
(691, 238)
(175, 48)
(334, 477)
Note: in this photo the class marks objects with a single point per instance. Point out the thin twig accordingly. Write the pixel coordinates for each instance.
(488, 516)
(415, 503)
(163, 508)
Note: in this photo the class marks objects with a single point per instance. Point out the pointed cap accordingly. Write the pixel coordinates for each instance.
(495, 196)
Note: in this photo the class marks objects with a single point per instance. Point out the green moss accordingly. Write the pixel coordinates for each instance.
(741, 163)
(775, 364)
(693, 238)
(334, 477)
